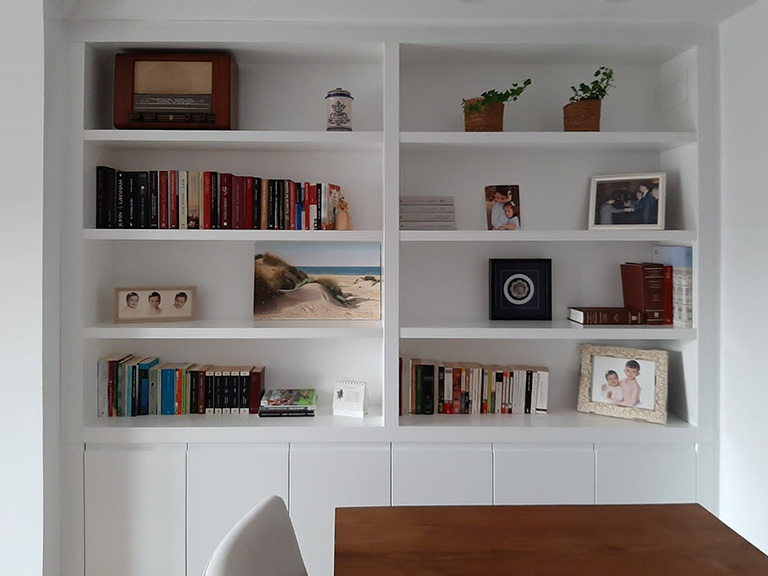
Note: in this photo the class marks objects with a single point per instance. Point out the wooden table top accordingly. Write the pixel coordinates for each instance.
(638, 540)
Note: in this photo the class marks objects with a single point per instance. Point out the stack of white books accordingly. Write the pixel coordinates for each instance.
(427, 213)
(681, 260)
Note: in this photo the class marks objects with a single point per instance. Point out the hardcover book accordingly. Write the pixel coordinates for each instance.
(643, 290)
(590, 315)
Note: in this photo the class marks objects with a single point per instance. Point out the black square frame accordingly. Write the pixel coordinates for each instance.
(520, 288)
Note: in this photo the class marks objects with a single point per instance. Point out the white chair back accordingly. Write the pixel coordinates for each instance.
(262, 543)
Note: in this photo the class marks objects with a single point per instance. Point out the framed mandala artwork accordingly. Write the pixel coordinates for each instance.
(520, 288)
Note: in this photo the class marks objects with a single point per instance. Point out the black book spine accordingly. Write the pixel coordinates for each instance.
(105, 197)
(280, 224)
(121, 200)
(234, 391)
(256, 203)
(154, 200)
(142, 190)
(245, 392)
(428, 389)
(193, 379)
(131, 197)
(271, 204)
(218, 388)
(319, 218)
(528, 390)
(210, 392)
(134, 384)
(226, 392)
(440, 389)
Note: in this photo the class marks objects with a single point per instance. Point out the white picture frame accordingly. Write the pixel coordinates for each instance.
(628, 201)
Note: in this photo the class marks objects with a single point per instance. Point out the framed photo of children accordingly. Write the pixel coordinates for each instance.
(177, 304)
(628, 202)
(624, 383)
(502, 207)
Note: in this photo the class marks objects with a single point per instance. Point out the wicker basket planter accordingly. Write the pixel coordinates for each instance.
(582, 116)
(489, 118)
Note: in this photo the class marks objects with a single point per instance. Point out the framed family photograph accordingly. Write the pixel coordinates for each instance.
(624, 383)
(502, 207)
(177, 304)
(520, 288)
(628, 202)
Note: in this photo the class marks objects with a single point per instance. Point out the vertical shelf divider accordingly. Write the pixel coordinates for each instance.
(390, 248)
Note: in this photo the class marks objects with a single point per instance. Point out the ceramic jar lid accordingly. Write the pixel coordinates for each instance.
(339, 93)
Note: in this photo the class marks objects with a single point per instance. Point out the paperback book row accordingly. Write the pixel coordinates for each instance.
(131, 385)
(427, 213)
(186, 199)
(655, 293)
(434, 387)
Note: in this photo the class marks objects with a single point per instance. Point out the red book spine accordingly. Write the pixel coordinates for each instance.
(255, 390)
(668, 293)
(643, 290)
(173, 198)
(292, 202)
(264, 200)
(163, 194)
(238, 197)
(206, 207)
(177, 391)
(249, 203)
(225, 189)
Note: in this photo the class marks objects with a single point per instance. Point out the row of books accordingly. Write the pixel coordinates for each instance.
(435, 387)
(186, 199)
(655, 293)
(131, 385)
(427, 213)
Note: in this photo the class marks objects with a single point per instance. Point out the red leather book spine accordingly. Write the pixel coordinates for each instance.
(206, 207)
(225, 187)
(173, 199)
(256, 389)
(668, 293)
(163, 192)
(248, 203)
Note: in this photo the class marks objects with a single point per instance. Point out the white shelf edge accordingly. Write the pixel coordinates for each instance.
(223, 331)
(234, 235)
(233, 136)
(676, 236)
(563, 330)
(639, 140)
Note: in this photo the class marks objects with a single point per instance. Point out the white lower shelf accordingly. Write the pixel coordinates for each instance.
(542, 330)
(668, 236)
(314, 236)
(235, 330)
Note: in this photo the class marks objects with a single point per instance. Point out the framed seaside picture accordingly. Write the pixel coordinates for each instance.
(317, 282)
(624, 382)
(628, 202)
(175, 304)
(502, 207)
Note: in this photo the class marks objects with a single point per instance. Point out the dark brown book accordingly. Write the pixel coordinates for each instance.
(255, 389)
(643, 289)
(591, 315)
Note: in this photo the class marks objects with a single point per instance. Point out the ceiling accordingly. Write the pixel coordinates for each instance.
(466, 12)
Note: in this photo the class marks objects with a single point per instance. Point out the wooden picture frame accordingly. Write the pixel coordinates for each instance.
(606, 384)
(628, 202)
(149, 304)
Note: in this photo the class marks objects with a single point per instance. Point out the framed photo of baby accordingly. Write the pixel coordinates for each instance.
(624, 382)
(628, 202)
(168, 304)
(502, 207)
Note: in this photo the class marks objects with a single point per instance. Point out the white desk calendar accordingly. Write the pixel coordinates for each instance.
(349, 398)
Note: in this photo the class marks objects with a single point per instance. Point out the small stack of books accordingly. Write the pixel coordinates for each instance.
(289, 402)
(427, 213)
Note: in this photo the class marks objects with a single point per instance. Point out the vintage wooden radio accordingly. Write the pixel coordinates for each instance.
(189, 90)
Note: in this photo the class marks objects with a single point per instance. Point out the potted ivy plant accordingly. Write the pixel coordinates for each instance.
(486, 112)
(583, 111)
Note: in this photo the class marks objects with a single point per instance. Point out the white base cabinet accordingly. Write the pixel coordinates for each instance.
(441, 474)
(324, 477)
(135, 502)
(543, 474)
(648, 474)
(223, 483)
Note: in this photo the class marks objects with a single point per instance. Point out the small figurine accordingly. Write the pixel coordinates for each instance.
(343, 219)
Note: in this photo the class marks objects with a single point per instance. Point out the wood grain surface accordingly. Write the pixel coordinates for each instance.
(638, 540)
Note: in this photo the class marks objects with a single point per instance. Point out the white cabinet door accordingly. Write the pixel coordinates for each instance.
(645, 474)
(134, 510)
(442, 474)
(324, 477)
(224, 481)
(543, 474)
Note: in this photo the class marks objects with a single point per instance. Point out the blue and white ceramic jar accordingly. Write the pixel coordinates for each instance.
(339, 110)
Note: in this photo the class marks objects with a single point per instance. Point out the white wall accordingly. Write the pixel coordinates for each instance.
(744, 391)
(21, 289)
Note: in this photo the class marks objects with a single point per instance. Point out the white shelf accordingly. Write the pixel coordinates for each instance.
(542, 330)
(564, 426)
(582, 141)
(670, 236)
(197, 140)
(236, 330)
(235, 235)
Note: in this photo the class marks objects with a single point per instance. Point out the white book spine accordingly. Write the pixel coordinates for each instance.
(543, 392)
(427, 225)
(426, 217)
(407, 200)
(427, 208)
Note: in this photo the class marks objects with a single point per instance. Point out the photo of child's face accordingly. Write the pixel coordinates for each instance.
(500, 198)
(631, 373)
(154, 301)
(132, 300)
(179, 301)
(612, 380)
(509, 211)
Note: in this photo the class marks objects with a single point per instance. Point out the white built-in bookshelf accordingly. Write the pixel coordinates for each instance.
(408, 140)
